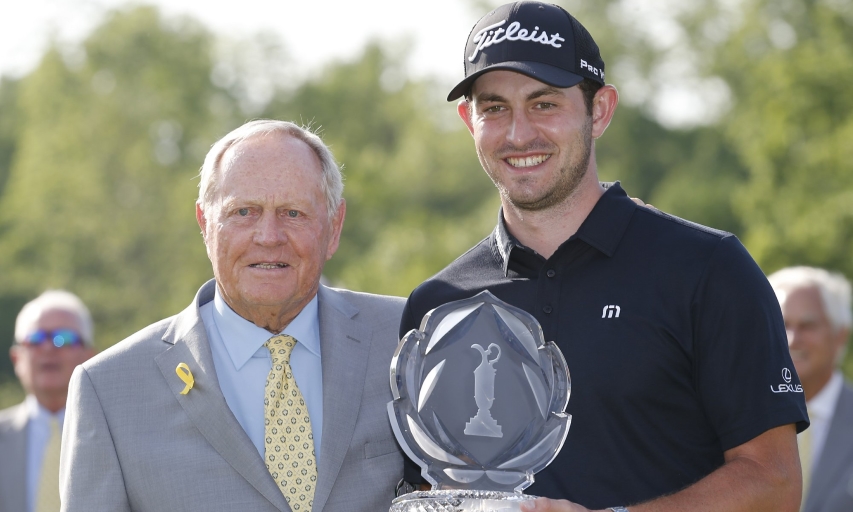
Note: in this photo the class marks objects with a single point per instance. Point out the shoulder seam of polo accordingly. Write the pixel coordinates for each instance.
(469, 251)
(719, 233)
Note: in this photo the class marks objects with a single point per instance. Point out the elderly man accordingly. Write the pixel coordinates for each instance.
(53, 334)
(268, 392)
(673, 336)
(816, 307)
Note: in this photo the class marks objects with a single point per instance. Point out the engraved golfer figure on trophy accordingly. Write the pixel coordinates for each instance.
(484, 394)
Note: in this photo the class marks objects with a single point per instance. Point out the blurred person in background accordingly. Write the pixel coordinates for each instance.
(53, 334)
(816, 307)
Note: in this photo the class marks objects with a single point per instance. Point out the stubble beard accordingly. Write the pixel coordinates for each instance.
(567, 183)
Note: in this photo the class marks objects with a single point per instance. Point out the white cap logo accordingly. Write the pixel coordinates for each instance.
(493, 34)
(786, 374)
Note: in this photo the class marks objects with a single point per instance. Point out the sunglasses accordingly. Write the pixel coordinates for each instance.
(59, 338)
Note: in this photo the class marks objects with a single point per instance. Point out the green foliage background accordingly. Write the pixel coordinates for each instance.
(100, 146)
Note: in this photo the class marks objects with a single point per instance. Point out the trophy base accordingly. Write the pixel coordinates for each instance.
(459, 500)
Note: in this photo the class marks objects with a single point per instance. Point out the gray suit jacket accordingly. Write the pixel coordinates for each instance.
(13, 459)
(831, 488)
(132, 442)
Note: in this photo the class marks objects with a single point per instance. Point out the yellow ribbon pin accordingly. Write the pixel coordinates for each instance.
(186, 376)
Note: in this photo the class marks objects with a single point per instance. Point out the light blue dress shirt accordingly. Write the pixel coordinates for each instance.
(38, 435)
(242, 364)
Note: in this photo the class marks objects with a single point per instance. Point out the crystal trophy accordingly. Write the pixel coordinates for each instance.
(479, 401)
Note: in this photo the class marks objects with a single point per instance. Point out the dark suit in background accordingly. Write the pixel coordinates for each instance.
(831, 488)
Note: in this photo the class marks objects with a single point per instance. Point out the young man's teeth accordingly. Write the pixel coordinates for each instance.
(529, 161)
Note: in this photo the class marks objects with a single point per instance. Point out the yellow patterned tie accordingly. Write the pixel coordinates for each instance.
(47, 499)
(288, 439)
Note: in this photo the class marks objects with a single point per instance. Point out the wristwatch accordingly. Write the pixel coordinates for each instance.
(619, 509)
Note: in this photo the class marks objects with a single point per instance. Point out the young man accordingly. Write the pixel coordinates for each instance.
(673, 337)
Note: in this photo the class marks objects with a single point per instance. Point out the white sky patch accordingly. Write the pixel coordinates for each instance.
(782, 35)
(27, 27)
(314, 33)
(674, 92)
(653, 20)
(690, 103)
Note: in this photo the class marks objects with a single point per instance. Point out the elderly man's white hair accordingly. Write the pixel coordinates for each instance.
(331, 182)
(55, 299)
(834, 290)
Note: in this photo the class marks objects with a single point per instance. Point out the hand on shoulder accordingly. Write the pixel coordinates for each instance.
(641, 203)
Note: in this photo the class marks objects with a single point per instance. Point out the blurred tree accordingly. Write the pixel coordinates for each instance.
(688, 173)
(11, 393)
(9, 126)
(10, 305)
(789, 65)
(101, 192)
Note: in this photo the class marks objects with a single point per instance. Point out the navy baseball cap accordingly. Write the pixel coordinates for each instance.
(539, 40)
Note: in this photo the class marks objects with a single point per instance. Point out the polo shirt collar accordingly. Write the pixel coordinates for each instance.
(606, 223)
(603, 228)
(242, 338)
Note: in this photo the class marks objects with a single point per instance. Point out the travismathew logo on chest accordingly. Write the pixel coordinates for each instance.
(493, 34)
(787, 387)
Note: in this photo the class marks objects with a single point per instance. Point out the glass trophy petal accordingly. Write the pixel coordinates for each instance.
(429, 384)
(520, 330)
(538, 389)
(429, 446)
(448, 323)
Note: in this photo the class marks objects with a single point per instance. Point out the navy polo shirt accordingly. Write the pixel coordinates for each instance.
(674, 340)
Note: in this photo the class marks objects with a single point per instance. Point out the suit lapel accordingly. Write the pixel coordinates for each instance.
(345, 344)
(836, 454)
(204, 403)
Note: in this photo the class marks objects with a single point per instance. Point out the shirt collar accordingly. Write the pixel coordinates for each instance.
(39, 414)
(242, 338)
(822, 405)
(603, 228)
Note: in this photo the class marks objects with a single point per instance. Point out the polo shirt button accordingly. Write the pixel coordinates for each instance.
(547, 309)
(551, 273)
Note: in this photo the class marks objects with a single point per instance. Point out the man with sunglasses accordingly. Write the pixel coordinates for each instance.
(53, 334)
